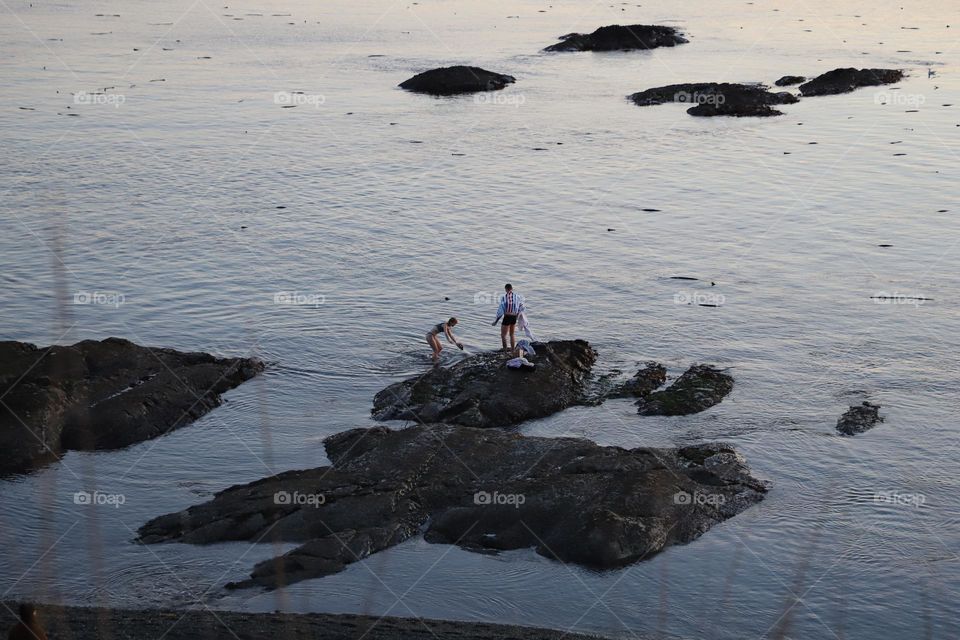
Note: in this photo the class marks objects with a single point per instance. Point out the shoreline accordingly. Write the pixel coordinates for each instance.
(63, 621)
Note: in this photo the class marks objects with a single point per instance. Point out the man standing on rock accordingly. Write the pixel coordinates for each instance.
(511, 306)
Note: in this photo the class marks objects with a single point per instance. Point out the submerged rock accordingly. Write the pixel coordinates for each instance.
(481, 489)
(859, 419)
(699, 388)
(717, 98)
(618, 38)
(846, 80)
(787, 81)
(645, 382)
(103, 394)
(448, 81)
(480, 391)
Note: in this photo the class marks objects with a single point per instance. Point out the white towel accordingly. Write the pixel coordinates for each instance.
(525, 325)
(516, 363)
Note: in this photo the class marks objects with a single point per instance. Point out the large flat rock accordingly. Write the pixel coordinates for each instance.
(699, 388)
(481, 391)
(709, 99)
(104, 394)
(849, 79)
(481, 489)
(617, 37)
(449, 81)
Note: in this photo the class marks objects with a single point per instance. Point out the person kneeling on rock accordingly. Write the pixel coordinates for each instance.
(445, 328)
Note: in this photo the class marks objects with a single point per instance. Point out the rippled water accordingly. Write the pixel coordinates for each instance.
(198, 198)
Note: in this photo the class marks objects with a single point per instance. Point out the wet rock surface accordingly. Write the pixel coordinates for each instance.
(717, 99)
(859, 418)
(482, 489)
(643, 383)
(620, 38)
(788, 81)
(699, 388)
(104, 394)
(448, 81)
(481, 391)
(849, 79)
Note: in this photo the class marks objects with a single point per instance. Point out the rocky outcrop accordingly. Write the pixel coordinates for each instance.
(481, 489)
(789, 81)
(859, 419)
(619, 38)
(643, 383)
(103, 394)
(448, 81)
(717, 98)
(481, 391)
(699, 388)
(846, 80)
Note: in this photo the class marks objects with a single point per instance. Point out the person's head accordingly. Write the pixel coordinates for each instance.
(27, 612)
(452, 322)
(508, 287)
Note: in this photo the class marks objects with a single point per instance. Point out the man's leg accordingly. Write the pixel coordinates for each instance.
(503, 335)
(513, 340)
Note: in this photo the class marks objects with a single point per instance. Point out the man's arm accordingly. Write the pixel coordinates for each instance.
(500, 310)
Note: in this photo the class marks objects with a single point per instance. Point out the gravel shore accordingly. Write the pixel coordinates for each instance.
(149, 624)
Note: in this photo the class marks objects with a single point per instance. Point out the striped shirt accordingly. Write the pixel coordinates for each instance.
(510, 305)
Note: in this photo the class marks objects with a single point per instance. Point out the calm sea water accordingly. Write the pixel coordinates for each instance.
(187, 198)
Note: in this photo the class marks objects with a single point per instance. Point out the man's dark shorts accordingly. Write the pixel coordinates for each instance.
(509, 320)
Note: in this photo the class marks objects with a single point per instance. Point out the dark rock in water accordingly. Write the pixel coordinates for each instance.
(717, 98)
(787, 81)
(699, 388)
(619, 38)
(645, 382)
(103, 395)
(846, 80)
(448, 81)
(480, 391)
(482, 489)
(859, 419)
